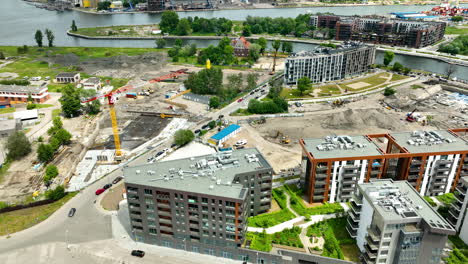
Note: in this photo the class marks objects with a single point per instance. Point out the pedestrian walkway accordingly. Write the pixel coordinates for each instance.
(288, 204)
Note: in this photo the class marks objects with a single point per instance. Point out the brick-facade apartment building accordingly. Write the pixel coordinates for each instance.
(16, 93)
(431, 161)
(392, 223)
(458, 212)
(241, 47)
(326, 64)
(201, 204)
(382, 30)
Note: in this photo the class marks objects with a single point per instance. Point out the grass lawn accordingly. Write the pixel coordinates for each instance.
(460, 252)
(446, 199)
(39, 106)
(415, 86)
(7, 110)
(397, 77)
(55, 87)
(351, 252)
(330, 89)
(259, 241)
(297, 204)
(15, 221)
(4, 169)
(430, 201)
(56, 112)
(373, 81)
(456, 31)
(294, 93)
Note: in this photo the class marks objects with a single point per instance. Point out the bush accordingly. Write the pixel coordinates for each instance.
(18, 145)
(389, 91)
(259, 241)
(56, 194)
(277, 105)
(288, 237)
(430, 201)
(447, 198)
(51, 173)
(31, 106)
(45, 152)
(280, 198)
(183, 137)
(298, 206)
(15, 82)
(270, 219)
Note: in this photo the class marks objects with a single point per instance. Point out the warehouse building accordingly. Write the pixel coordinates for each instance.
(431, 161)
(224, 134)
(68, 77)
(392, 223)
(458, 211)
(10, 94)
(382, 30)
(325, 64)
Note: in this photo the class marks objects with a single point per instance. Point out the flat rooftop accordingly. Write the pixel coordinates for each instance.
(21, 89)
(430, 141)
(399, 202)
(8, 124)
(208, 174)
(341, 147)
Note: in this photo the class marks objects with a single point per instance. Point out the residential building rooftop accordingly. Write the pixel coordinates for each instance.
(26, 114)
(66, 74)
(209, 174)
(325, 51)
(93, 80)
(399, 202)
(341, 147)
(22, 89)
(8, 124)
(430, 141)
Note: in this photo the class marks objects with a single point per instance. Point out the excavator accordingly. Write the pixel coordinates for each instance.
(410, 117)
(284, 139)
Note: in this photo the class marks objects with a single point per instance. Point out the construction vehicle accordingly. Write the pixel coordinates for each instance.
(284, 139)
(410, 117)
(111, 98)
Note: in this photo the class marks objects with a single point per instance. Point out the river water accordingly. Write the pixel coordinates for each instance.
(19, 20)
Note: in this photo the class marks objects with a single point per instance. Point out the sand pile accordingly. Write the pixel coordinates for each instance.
(353, 119)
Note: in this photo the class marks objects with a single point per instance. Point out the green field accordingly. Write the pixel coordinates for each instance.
(456, 31)
(18, 220)
(7, 110)
(373, 81)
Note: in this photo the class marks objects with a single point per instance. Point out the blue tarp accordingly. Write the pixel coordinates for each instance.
(223, 133)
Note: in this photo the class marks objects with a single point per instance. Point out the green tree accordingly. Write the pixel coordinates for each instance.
(263, 44)
(56, 194)
(183, 27)
(247, 31)
(254, 52)
(457, 18)
(92, 107)
(103, 5)
(63, 136)
(50, 173)
(183, 137)
(74, 28)
(70, 100)
(252, 79)
(161, 43)
(303, 84)
(206, 81)
(17, 145)
(214, 102)
(389, 91)
(398, 67)
(276, 45)
(38, 37)
(50, 37)
(169, 22)
(30, 99)
(234, 82)
(178, 43)
(388, 57)
(2, 55)
(287, 47)
(192, 49)
(45, 152)
(57, 124)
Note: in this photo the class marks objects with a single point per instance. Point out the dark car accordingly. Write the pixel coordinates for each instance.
(159, 153)
(72, 212)
(205, 127)
(173, 145)
(252, 92)
(256, 97)
(116, 180)
(197, 131)
(107, 186)
(220, 116)
(138, 253)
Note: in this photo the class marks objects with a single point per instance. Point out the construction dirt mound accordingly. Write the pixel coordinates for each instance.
(352, 119)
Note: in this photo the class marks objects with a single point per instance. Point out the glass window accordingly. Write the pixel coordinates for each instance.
(147, 191)
(195, 249)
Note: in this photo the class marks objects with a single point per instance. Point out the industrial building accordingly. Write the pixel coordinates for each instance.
(225, 134)
(9, 126)
(392, 223)
(68, 77)
(381, 30)
(158, 5)
(459, 209)
(10, 94)
(431, 161)
(325, 64)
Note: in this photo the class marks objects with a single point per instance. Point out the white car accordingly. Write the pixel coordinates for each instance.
(241, 142)
(38, 78)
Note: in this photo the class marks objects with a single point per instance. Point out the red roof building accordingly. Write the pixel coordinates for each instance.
(241, 47)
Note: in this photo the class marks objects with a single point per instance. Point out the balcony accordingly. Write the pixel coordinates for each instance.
(354, 216)
(351, 232)
(352, 224)
(372, 255)
(164, 213)
(348, 188)
(356, 199)
(374, 246)
(164, 205)
(265, 185)
(321, 176)
(165, 228)
(355, 209)
(461, 189)
(135, 216)
(130, 191)
(165, 221)
(373, 234)
(367, 259)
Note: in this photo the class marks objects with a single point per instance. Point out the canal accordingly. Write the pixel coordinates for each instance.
(19, 20)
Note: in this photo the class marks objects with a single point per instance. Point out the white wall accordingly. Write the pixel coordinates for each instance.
(365, 221)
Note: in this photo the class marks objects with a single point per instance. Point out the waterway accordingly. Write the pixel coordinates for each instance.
(19, 20)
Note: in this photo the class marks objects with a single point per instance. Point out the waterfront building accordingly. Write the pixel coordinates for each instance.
(392, 223)
(324, 64)
(382, 30)
(431, 161)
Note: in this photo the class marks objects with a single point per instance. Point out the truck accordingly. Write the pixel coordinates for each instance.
(131, 95)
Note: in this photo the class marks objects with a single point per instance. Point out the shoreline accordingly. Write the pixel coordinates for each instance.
(460, 62)
(80, 9)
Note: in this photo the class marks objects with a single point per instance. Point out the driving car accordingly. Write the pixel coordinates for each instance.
(107, 186)
(116, 180)
(71, 212)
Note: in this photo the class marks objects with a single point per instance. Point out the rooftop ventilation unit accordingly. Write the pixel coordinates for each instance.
(218, 182)
(137, 171)
(211, 187)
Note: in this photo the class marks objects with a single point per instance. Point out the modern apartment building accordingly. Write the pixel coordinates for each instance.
(393, 224)
(199, 204)
(381, 30)
(156, 5)
(326, 64)
(431, 161)
(459, 209)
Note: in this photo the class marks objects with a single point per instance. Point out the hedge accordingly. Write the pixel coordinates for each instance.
(259, 241)
(288, 237)
(270, 219)
(430, 201)
(280, 198)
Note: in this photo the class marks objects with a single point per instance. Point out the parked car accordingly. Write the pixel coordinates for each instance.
(241, 142)
(252, 92)
(159, 153)
(138, 253)
(205, 127)
(47, 78)
(116, 180)
(71, 212)
(99, 191)
(197, 131)
(107, 186)
(221, 116)
(240, 147)
(240, 100)
(174, 145)
(256, 97)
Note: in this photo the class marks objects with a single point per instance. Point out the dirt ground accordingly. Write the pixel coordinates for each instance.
(112, 197)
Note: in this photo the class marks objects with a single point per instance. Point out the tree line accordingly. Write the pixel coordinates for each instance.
(457, 46)
(172, 24)
(38, 36)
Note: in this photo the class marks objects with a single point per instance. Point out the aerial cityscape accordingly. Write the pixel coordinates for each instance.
(207, 132)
